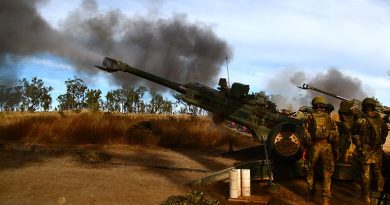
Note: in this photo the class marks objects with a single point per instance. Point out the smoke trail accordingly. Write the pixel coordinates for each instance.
(333, 81)
(172, 48)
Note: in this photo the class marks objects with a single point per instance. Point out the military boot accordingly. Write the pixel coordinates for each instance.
(326, 200)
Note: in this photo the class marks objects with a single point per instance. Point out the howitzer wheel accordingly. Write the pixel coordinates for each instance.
(285, 141)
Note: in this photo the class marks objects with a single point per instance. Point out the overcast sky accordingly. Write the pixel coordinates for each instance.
(269, 39)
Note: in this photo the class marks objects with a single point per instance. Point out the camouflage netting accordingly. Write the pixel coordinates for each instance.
(193, 198)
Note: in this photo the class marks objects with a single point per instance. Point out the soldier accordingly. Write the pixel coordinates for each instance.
(369, 134)
(223, 86)
(329, 108)
(322, 134)
(346, 120)
(303, 112)
(286, 112)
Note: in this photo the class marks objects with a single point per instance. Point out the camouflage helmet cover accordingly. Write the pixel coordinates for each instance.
(329, 107)
(318, 100)
(345, 106)
(368, 101)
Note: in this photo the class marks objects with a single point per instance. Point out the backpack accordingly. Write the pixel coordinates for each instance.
(320, 126)
(375, 130)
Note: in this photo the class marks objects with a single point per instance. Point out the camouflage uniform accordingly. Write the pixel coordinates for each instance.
(322, 131)
(346, 120)
(369, 133)
(329, 108)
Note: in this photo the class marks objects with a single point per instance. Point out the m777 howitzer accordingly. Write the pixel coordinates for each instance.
(384, 110)
(284, 135)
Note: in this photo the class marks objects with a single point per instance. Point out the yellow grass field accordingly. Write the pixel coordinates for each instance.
(111, 128)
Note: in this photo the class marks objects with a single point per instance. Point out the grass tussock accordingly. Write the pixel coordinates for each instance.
(109, 128)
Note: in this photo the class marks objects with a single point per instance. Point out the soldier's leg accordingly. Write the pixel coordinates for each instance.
(377, 169)
(313, 158)
(343, 147)
(328, 168)
(365, 186)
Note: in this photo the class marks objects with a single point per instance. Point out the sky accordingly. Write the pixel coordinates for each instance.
(270, 41)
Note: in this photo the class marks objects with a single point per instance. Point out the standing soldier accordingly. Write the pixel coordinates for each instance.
(322, 134)
(346, 117)
(329, 108)
(369, 133)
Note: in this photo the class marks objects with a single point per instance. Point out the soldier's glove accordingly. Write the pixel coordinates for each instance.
(355, 109)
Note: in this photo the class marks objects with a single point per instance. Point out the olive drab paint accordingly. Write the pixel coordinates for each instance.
(253, 111)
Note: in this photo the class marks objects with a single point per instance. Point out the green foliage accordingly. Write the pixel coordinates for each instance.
(193, 198)
(10, 98)
(34, 95)
(129, 99)
(134, 99)
(182, 107)
(159, 105)
(28, 95)
(114, 100)
(93, 99)
(74, 98)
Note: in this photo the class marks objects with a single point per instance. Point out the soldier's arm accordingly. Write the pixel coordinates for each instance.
(308, 140)
(356, 130)
(335, 139)
(335, 133)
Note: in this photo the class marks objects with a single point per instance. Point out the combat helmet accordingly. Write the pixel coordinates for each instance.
(345, 106)
(318, 100)
(368, 101)
(329, 107)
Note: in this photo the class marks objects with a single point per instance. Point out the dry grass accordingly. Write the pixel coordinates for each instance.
(109, 128)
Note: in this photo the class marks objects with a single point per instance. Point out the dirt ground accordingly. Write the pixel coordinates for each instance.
(119, 174)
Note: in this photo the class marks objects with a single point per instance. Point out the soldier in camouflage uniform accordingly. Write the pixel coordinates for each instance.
(369, 134)
(329, 108)
(346, 120)
(322, 134)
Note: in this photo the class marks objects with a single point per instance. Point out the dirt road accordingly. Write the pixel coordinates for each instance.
(126, 175)
(132, 176)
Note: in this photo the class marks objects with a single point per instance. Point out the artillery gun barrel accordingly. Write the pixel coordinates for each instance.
(111, 65)
(307, 86)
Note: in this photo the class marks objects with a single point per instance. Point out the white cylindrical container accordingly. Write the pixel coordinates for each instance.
(239, 182)
(246, 182)
(233, 182)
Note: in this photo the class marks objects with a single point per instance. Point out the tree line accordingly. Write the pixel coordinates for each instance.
(33, 95)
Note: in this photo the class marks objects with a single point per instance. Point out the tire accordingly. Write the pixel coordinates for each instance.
(285, 141)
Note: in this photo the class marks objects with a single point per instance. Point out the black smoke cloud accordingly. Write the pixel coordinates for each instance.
(22, 33)
(332, 80)
(172, 48)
